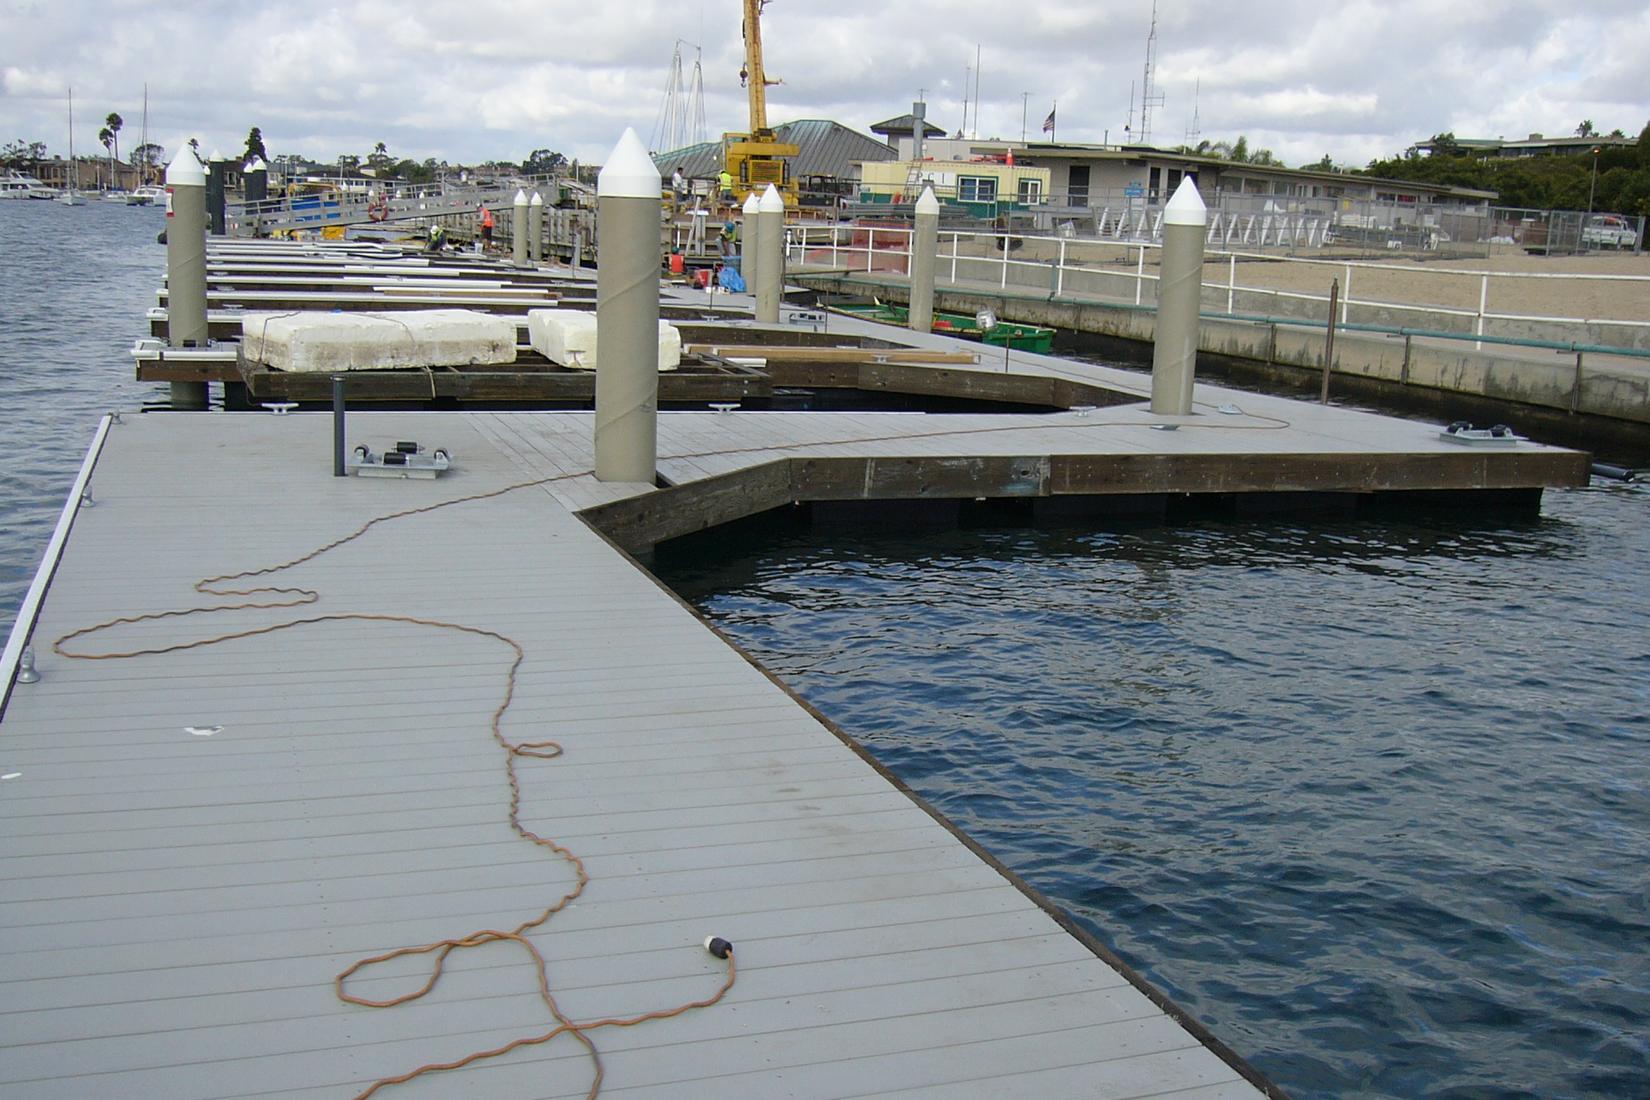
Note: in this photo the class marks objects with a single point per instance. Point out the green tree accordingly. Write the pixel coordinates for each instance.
(379, 159)
(542, 162)
(1240, 150)
(255, 146)
(148, 155)
(23, 154)
(1445, 145)
(1585, 129)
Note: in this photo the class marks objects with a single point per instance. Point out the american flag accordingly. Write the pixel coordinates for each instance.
(1048, 123)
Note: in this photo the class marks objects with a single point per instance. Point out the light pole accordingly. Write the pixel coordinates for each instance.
(1024, 98)
(1592, 188)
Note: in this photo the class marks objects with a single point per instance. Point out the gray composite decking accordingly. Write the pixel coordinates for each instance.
(175, 907)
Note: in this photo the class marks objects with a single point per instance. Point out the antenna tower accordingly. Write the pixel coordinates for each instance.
(1195, 130)
(1149, 98)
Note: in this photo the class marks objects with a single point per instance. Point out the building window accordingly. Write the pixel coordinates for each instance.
(976, 189)
(1030, 192)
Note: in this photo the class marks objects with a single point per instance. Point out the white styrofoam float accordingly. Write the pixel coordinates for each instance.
(568, 337)
(326, 342)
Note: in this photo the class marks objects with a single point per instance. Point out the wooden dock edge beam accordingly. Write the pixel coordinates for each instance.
(639, 523)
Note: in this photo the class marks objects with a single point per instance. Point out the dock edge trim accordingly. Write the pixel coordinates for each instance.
(22, 629)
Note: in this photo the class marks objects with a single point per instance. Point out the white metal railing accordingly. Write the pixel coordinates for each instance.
(364, 202)
(991, 259)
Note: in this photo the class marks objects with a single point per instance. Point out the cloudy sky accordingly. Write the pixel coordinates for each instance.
(486, 79)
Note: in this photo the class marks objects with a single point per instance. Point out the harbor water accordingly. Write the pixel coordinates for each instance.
(1371, 799)
(74, 284)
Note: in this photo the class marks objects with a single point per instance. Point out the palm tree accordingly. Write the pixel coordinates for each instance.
(107, 137)
(114, 122)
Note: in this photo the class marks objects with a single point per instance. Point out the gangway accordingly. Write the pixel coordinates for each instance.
(324, 209)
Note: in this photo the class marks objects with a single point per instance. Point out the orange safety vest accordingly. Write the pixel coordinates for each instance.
(486, 218)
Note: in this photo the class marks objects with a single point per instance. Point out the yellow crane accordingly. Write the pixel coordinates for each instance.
(757, 158)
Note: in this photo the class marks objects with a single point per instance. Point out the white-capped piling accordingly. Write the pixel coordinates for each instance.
(255, 181)
(1179, 294)
(217, 172)
(627, 313)
(519, 217)
(770, 267)
(535, 228)
(925, 244)
(186, 267)
(750, 242)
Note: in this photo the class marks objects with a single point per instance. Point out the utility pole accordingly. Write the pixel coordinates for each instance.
(1025, 97)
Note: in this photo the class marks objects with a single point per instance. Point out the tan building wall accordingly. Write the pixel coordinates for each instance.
(963, 181)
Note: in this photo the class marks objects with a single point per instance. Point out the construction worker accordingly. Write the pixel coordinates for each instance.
(724, 180)
(486, 227)
(728, 239)
(438, 239)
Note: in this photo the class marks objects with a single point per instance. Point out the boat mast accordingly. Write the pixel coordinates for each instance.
(74, 169)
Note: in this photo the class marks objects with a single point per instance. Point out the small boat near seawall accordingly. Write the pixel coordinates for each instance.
(1032, 338)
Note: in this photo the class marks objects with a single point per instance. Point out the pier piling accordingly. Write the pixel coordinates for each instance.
(216, 169)
(925, 243)
(186, 267)
(770, 288)
(256, 184)
(1179, 293)
(535, 228)
(750, 242)
(519, 228)
(627, 314)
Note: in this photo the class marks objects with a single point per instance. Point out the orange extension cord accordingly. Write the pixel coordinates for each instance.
(538, 750)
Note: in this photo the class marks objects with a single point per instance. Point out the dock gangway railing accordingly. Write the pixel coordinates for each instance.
(357, 205)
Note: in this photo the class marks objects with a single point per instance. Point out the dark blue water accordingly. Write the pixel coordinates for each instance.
(1368, 798)
(74, 284)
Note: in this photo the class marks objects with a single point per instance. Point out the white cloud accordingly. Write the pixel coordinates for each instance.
(497, 78)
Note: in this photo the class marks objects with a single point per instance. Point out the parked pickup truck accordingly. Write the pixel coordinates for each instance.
(1608, 231)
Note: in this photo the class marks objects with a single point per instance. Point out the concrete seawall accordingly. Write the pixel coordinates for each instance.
(1573, 383)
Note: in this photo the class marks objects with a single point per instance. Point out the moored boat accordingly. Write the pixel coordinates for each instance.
(1011, 334)
(21, 185)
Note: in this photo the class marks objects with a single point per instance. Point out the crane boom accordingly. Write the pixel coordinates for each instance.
(756, 79)
(757, 158)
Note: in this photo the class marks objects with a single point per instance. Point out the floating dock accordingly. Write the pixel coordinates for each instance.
(202, 836)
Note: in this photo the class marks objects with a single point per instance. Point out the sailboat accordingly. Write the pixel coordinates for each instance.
(70, 195)
(146, 193)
